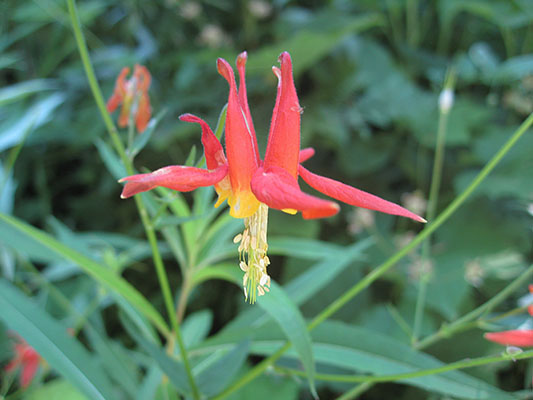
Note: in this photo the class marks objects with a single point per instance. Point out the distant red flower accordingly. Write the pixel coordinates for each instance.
(132, 94)
(515, 337)
(25, 358)
(250, 184)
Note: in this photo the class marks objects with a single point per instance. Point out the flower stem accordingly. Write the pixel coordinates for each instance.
(436, 178)
(145, 218)
(389, 263)
(412, 23)
(467, 363)
(356, 391)
(457, 325)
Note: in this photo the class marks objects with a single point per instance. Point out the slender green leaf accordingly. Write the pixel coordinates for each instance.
(18, 91)
(56, 389)
(313, 42)
(172, 368)
(111, 161)
(196, 327)
(37, 115)
(283, 310)
(113, 364)
(50, 339)
(365, 351)
(302, 248)
(221, 369)
(151, 382)
(142, 139)
(37, 238)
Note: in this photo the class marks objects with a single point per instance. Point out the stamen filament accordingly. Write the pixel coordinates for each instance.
(253, 260)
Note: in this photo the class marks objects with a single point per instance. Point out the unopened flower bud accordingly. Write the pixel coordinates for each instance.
(446, 100)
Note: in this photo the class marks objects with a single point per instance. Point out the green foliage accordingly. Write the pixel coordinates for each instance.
(76, 258)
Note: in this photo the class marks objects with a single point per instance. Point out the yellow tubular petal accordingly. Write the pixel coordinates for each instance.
(291, 211)
(243, 204)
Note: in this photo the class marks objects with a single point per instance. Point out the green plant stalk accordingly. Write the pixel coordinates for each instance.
(467, 363)
(448, 330)
(13, 155)
(436, 179)
(389, 263)
(131, 136)
(445, 33)
(412, 22)
(148, 226)
(356, 391)
(508, 40)
(394, 19)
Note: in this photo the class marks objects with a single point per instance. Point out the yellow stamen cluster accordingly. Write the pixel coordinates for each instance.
(253, 260)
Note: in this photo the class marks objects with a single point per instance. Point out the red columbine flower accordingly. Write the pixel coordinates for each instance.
(515, 337)
(133, 95)
(251, 185)
(27, 359)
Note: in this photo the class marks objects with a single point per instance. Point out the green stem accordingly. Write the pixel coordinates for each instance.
(148, 226)
(131, 136)
(13, 155)
(436, 178)
(395, 22)
(467, 363)
(356, 391)
(448, 330)
(443, 217)
(388, 264)
(412, 24)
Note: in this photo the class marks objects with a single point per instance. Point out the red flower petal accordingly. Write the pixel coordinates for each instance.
(114, 101)
(284, 138)
(143, 77)
(241, 144)
(278, 189)
(520, 338)
(176, 177)
(144, 112)
(12, 365)
(29, 369)
(306, 154)
(118, 93)
(214, 153)
(243, 97)
(241, 150)
(124, 115)
(353, 196)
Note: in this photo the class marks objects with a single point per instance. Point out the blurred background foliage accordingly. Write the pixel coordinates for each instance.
(368, 74)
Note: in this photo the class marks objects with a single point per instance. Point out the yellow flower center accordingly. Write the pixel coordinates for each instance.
(253, 260)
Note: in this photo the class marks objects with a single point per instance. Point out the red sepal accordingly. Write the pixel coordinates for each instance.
(519, 338)
(118, 93)
(284, 138)
(279, 189)
(214, 153)
(241, 144)
(306, 154)
(355, 197)
(176, 177)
